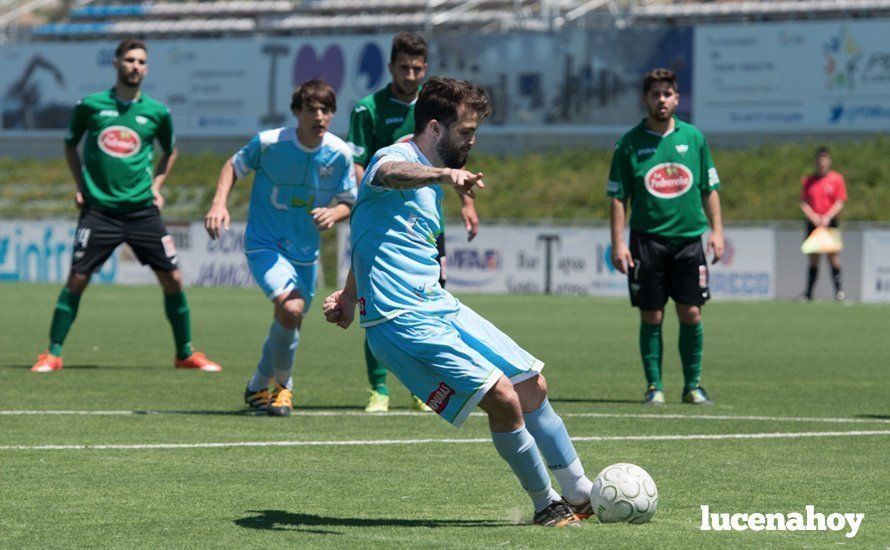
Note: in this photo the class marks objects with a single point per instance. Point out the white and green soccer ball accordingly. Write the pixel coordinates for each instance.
(624, 493)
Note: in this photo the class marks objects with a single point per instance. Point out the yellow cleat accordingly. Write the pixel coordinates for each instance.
(418, 405)
(281, 402)
(377, 403)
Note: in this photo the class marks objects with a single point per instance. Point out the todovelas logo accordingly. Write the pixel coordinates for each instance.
(438, 400)
(119, 141)
(668, 180)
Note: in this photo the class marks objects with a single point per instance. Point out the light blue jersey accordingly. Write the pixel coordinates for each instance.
(291, 180)
(394, 245)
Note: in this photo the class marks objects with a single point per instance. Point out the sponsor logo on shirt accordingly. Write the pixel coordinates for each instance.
(682, 148)
(395, 120)
(325, 171)
(438, 400)
(119, 141)
(713, 177)
(141, 119)
(668, 180)
(108, 112)
(645, 151)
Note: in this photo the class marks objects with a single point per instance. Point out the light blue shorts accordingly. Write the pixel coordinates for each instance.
(450, 361)
(277, 275)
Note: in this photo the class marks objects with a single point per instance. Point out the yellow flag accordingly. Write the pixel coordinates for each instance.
(823, 240)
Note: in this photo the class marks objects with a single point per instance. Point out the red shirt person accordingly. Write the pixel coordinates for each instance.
(822, 197)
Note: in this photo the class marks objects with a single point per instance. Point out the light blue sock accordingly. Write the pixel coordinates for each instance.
(553, 439)
(519, 450)
(282, 349)
(263, 373)
(551, 436)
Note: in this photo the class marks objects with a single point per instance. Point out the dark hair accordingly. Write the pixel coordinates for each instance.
(441, 99)
(822, 150)
(128, 44)
(314, 90)
(660, 75)
(408, 43)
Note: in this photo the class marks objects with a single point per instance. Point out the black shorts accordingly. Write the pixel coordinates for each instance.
(810, 227)
(99, 233)
(663, 270)
(441, 258)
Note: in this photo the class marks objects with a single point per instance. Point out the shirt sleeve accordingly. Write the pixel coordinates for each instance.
(841, 189)
(165, 136)
(361, 132)
(77, 125)
(346, 188)
(620, 174)
(712, 182)
(248, 158)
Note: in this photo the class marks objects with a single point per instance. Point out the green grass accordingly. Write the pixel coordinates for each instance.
(761, 359)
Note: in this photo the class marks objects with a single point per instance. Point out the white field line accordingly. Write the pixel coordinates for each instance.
(343, 413)
(372, 442)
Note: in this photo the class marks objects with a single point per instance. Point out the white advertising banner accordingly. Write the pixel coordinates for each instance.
(747, 270)
(792, 76)
(566, 260)
(40, 251)
(876, 265)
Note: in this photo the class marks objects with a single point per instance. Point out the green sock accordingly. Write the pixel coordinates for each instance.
(691, 339)
(651, 352)
(63, 318)
(376, 371)
(177, 309)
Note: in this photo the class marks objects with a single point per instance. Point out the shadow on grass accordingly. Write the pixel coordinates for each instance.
(593, 400)
(279, 520)
(876, 416)
(87, 367)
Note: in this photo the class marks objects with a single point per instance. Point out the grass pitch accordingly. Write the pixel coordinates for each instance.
(172, 459)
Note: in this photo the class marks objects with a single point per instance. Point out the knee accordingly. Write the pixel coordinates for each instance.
(290, 314)
(532, 393)
(652, 317)
(689, 315)
(77, 282)
(171, 281)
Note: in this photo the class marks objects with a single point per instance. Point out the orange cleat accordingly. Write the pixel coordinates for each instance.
(47, 362)
(196, 360)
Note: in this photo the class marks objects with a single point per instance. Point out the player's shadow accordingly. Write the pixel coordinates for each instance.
(876, 416)
(594, 400)
(279, 520)
(89, 367)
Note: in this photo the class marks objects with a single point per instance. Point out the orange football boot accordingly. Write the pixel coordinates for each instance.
(46, 362)
(196, 360)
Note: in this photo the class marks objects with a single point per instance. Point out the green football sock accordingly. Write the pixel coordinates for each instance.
(691, 339)
(651, 352)
(177, 309)
(376, 372)
(63, 318)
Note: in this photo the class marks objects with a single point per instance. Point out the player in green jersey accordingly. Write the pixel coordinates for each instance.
(662, 169)
(119, 197)
(377, 121)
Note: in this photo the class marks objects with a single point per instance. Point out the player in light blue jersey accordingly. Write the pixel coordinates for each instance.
(299, 173)
(440, 349)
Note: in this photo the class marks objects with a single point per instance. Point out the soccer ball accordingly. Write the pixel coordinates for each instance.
(624, 493)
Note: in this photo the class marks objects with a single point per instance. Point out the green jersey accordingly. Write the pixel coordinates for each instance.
(378, 121)
(118, 152)
(664, 177)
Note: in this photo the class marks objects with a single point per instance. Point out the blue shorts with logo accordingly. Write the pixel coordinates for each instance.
(449, 361)
(276, 275)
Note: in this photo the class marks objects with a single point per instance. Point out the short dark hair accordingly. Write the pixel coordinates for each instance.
(408, 43)
(314, 90)
(822, 150)
(128, 44)
(660, 75)
(441, 99)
